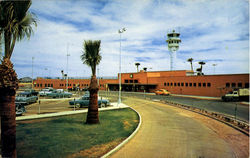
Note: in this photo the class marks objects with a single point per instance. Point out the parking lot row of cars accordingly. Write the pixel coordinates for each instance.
(31, 96)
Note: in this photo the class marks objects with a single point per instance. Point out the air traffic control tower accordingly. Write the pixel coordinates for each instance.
(173, 45)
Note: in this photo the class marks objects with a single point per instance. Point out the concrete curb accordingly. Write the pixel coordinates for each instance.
(126, 140)
(64, 113)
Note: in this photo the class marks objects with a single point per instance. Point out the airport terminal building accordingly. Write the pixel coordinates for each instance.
(183, 82)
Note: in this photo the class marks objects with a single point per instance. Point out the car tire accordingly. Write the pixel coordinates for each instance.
(78, 105)
(103, 105)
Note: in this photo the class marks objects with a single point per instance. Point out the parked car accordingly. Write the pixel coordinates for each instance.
(26, 98)
(162, 92)
(46, 91)
(20, 109)
(32, 91)
(59, 94)
(84, 102)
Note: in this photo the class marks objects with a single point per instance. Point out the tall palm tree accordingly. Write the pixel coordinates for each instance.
(137, 65)
(91, 57)
(15, 24)
(191, 62)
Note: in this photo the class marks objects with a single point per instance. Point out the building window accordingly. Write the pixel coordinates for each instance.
(186, 84)
(135, 81)
(41, 85)
(171, 84)
(190, 84)
(246, 85)
(204, 84)
(51, 85)
(126, 81)
(227, 84)
(240, 85)
(233, 84)
(179, 84)
(174, 84)
(168, 84)
(194, 84)
(165, 84)
(199, 84)
(209, 84)
(45, 84)
(130, 81)
(182, 84)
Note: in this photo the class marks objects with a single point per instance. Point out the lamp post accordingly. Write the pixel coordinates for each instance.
(67, 82)
(120, 31)
(214, 67)
(32, 72)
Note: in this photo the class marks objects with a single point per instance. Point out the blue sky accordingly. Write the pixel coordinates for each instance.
(214, 31)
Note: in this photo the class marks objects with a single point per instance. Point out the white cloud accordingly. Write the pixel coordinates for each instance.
(207, 29)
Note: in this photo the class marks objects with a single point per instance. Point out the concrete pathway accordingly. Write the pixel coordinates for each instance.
(166, 132)
(37, 116)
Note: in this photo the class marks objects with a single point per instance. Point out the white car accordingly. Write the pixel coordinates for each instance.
(46, 91)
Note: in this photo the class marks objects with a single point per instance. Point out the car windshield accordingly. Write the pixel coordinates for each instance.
(21, 95)
(85, 98)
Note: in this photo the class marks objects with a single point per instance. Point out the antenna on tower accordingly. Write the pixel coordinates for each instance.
(173, 46)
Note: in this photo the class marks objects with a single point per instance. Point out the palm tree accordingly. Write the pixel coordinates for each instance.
(191, 62)
(137, 65)
(91, 57)
(15, 24)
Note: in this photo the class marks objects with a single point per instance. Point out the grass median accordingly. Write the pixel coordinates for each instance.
(68, 136)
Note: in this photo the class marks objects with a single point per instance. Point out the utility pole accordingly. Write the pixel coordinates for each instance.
(32, 72)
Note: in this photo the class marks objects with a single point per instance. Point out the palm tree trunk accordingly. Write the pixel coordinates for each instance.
(7, 41)
(8, 86)
(93, 115)
(8, 122)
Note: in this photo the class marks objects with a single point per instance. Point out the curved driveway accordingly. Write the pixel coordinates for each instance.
(166, 132)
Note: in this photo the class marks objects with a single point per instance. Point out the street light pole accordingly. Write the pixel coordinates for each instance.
(32, 72)
(67, 66)
(214, 67)
(120, 31)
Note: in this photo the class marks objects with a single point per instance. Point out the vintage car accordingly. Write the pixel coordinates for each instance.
(59, 94)
(162, 92)
(32, 91)
(25, 98)
(84, 102)
(20, 109)
(46, 91)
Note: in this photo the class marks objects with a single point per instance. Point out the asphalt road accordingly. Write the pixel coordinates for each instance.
(167, 132)
(227, 108)
(218, 106)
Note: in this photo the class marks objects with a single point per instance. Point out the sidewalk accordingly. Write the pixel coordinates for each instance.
(38, 116)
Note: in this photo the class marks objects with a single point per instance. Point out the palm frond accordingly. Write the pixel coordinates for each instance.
(91, 54)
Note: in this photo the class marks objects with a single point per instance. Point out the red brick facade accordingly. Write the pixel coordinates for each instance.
(177, 82)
